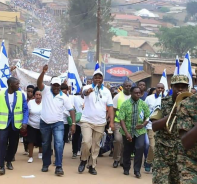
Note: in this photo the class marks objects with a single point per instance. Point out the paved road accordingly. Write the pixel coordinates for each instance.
(106, 174)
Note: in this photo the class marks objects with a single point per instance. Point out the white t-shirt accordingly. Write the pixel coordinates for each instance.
(66, 113)
(11, 100)
(53, 106)
(151, 102)
(78, 103)
(34, 114)
(94, 111)
(115, 99)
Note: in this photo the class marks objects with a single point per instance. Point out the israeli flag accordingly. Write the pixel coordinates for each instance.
(18, 64)
(4, 67)
(97, 67)
(186, 69)
(176, 71)
(85, 80)
(164, 81)
(73, 75)
(43, 53)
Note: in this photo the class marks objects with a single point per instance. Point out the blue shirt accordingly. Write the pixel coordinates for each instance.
(144, 96)
(11, 114)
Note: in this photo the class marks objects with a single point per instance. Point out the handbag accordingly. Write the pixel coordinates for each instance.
(77, 118)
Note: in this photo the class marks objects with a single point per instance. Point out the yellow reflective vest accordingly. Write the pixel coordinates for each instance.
(121, 99)
(17, 111)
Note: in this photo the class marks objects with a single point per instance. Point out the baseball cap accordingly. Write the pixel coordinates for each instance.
(56, 80)
(97, 72)
(177, 79)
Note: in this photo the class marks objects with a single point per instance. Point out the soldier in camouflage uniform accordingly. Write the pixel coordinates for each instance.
(187, 127)
(165, 170)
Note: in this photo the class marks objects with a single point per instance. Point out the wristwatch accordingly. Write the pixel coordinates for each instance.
(73, 123)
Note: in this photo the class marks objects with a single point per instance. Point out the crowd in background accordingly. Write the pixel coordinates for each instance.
(58, 62)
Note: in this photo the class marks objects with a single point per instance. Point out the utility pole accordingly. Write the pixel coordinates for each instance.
(98, 30)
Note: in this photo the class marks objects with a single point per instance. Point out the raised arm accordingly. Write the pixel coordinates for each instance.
(41, 77)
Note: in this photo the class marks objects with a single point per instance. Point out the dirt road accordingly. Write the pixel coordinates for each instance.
(106, 174)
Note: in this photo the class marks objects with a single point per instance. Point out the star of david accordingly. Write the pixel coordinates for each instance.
(4, 72)
(42, 51)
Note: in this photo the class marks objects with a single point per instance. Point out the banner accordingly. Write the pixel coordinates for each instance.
(28, 77)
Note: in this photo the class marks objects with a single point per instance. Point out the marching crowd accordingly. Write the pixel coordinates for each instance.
(139, 125)
(51, 40)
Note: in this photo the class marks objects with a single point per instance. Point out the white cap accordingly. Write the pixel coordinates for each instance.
(97, 72)
(56, 80)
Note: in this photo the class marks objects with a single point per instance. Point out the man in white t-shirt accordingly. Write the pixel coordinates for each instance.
(152, 102)
(117, 102)
(53, 103)
(97, 99)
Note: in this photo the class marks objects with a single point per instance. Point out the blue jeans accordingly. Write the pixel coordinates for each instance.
(47, 130)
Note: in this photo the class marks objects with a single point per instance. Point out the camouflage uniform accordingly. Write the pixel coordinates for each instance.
(165, 168)
(187, 159)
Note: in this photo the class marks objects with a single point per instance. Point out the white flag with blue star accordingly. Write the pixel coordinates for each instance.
(97, 67)
(186, 68)
(4, 67)
(43, 53)
(73, 75)
(164, 81)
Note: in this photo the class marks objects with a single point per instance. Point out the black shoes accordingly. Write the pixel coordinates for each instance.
(44, 168)
(59, 171)
(137, 174)
(92, 170)
(82, 166)
(9, 166)
(2, 170)
(74, 156)
(126, 172)
(115, 164)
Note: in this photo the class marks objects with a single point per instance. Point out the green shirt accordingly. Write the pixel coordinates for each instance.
(132, 118)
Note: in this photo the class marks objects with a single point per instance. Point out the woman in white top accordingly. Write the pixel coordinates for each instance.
(33, 128)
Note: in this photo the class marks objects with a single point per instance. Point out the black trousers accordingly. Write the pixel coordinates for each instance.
(66, 131)
(8, 144)
(75, 140)
(137, 144)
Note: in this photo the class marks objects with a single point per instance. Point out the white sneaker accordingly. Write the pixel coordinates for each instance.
(79, 153)
(30, 160)
(21, 139)
(40, 155)
(25, 153)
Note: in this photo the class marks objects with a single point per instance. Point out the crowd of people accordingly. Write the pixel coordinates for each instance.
(131, 122)
(58, 62)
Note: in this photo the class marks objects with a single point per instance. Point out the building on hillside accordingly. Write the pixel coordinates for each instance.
(146, 13)
(128, 47)
(11, 30)
(123, 20)
(153, 69)
(5, 7)
(57, 8)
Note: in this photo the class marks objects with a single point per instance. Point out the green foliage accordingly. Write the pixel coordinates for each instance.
(164, 9)
(80, 22)
(191, 8)
(170, 19)
(177, 40)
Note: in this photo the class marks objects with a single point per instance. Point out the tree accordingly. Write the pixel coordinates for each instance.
(164, 9)
(80, 23)
(177, 40)
(170, 19)
(191, 8)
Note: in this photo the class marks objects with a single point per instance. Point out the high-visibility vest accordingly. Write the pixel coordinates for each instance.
(121, 99)
(17, 111)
